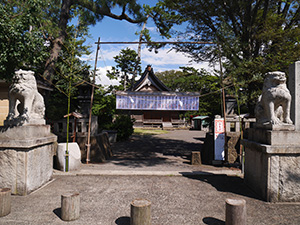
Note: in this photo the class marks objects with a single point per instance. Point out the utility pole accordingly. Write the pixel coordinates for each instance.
(139, 51)
(88, 145)
(223, 101)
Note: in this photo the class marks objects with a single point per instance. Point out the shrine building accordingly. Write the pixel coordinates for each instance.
(152, 104)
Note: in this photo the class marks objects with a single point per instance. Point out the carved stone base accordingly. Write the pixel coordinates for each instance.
(19, 121)
(268, 126)
(272, 164)
(26, 157)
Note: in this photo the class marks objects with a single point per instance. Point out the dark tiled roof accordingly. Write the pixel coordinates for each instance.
(152, 78)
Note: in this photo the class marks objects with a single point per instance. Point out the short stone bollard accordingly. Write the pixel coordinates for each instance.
(70, 207)
(140, 212)
(196, 158)
(235, 212)
(5, 201)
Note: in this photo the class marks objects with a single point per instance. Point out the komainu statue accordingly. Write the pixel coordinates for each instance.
(26, 104)
(273, 106)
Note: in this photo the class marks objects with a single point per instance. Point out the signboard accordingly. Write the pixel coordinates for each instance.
(219, 137)
(157, 102)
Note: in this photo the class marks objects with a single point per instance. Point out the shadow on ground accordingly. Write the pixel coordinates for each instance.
(151, 150)
(125, 220)
(57, 212)
(226, 184)
(213, 221)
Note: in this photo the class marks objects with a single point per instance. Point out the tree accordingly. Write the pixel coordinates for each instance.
(252, 37)
(89, 11)
(193, 80)
(26, 25)
(21, 40)
(104, 107)
(128, 63)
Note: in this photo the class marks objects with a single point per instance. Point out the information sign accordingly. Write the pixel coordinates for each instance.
(219, 137)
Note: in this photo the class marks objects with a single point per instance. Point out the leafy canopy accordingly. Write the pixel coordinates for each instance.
(190, 79)
(128, 65)
(252, 37)
(21, 40)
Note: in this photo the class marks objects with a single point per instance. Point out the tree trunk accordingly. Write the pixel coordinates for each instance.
(5, 201)
(58, 42)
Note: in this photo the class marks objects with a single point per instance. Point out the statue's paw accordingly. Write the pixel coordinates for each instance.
(288, 121)
(10, 116)
(275, 121)
(23, 117)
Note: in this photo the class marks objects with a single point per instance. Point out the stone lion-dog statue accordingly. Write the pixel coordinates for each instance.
(26, 104)
(273, 106)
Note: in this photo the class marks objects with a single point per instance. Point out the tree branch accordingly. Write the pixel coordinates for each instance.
(97, 9)
(295, 18)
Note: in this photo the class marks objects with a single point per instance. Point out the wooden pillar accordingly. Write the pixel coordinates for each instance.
(235, 212)
(140, 212)
(70, 206)
(5, 201)
(196, 158)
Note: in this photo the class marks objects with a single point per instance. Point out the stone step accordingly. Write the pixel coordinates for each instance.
(167, 125)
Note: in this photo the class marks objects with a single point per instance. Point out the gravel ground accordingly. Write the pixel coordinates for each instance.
(176, 200)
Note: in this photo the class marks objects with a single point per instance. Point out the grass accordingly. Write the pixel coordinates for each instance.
(141, 131)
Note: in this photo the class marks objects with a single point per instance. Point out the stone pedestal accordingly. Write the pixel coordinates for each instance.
(272, 164)
(26, 157)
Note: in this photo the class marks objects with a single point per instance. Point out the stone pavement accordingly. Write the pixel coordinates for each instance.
(155, 168)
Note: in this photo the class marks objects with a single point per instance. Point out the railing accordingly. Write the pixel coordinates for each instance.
(233, 124)
(81, 125)
(177, 121)
(153, 121)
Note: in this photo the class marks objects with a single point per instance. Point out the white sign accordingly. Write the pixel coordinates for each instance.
(157, 102)
(219, 137)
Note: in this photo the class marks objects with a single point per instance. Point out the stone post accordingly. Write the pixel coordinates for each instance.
(140, 212)
(196, 158)
(235, 212)
(5, 201)
(294, 87)
(70, 207)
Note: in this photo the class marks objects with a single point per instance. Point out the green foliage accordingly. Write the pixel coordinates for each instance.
(124, 126)
(127, 64)
(252, 37)
(21, 40)
(164, 20)
(70, 73)
(104, 107)
(193, 80)
(56, 107)
(141, 131)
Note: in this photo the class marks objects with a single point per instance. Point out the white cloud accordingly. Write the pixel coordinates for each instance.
(102, 79)
(162, 61)
(166, 60)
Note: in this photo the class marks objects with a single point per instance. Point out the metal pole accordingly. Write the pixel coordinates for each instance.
(223, 100)
(156, 42)
(88, 145)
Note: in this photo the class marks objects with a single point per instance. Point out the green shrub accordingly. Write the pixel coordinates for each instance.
(124, 126)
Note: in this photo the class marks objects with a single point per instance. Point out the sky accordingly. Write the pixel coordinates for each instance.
(110, 30)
